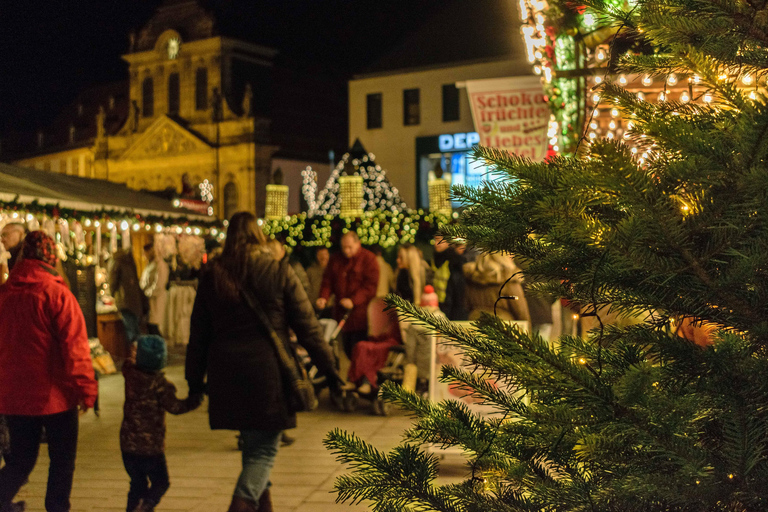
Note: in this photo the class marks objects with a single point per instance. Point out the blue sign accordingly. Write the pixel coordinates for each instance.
(458, 141)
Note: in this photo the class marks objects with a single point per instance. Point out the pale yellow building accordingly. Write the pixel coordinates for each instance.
(402, 105)
(192, 110)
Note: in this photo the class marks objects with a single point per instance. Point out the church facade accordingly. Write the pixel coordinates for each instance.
(189, 118)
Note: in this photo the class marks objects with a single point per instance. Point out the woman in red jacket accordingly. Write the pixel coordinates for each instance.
(46, 373)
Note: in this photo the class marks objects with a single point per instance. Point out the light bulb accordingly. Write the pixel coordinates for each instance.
(747, 79)
(672, 79)
(633, 151)
(600, 55)
(752, 95)
(612, 125)
(646, 80)
(610, 135)
(593, 125)
(598, 79)
(662, 96)
(696, 79)
(707, 98)
(684, 97)
(641, 96)
(537, 70)
(595, 98)
(623, 80)
(592, 135)
(614, 112)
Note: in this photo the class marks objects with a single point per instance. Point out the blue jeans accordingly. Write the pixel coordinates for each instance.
(259, 452)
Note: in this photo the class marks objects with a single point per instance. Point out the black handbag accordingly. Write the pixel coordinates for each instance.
(301, 392)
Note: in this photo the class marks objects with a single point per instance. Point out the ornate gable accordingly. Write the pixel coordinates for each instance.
(165, 137)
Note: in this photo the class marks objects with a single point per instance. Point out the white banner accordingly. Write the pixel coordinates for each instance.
(510, 113)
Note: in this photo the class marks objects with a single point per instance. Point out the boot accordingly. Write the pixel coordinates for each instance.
(242, 505)
(265, 502)
(19, 506)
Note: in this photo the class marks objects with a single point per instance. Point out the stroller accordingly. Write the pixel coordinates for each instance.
(331, 331)
(379, 359)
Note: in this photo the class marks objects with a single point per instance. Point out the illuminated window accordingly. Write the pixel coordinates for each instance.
(450, 103)
(373, 111)
(201, 89)
(148, 98)
(173, 93)
(411, 107)
(230, 199)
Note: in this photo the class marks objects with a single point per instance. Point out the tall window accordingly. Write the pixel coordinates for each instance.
(450, 103)
(201, 89)
(147, 98)
(411, 107)
(173, 93)
(373, 110)
(230, 199)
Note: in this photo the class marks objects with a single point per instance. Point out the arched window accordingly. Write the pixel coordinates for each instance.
(173, 93)
(230, 199)
(201, 89)
(147, 98)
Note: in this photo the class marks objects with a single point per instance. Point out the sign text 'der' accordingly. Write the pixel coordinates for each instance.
(457, 141)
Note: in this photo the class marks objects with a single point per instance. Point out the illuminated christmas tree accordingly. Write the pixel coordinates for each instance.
(635, 416)
(378, 192)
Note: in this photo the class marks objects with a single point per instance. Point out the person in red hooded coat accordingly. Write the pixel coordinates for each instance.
(46, 374)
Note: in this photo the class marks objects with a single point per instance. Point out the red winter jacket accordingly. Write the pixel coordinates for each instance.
(355, 278)
(45, 361)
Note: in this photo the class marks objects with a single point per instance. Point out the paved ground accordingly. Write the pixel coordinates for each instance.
(204, 464)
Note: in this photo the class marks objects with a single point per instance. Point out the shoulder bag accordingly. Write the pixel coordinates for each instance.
(301, 392)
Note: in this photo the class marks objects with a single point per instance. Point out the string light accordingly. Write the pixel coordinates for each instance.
(614, 112)
(598, 79)
(641, 96)
(646, 80)
(684, 97)
(747, 79)
(206, 191)
(623, 80)
(707, 98)
(672, 79)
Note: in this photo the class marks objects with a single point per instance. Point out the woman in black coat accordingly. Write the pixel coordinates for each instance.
(230, 346)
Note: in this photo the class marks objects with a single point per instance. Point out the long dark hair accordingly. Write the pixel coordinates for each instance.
(244, 239)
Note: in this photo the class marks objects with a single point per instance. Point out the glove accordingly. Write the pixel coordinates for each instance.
(195, 399)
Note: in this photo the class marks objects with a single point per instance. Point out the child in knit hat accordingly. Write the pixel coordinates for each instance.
(418, 343)
(148, 395)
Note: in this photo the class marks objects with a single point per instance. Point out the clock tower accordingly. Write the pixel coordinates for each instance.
(194, 111)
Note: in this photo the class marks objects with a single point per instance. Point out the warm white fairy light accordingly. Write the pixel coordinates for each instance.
(598, 79)
(662, 96)
(684, 97)
(696, 79)
(612, 125)
(752, 95)
(633, 151)
(623, 80)
(600, 55)
(707, 98)
(593, 125)
(592, 135)
(614, 112)
(647, 80)
(610, 135)
(595, 98)
(640, 96)
(206, 191)
(747, 79)
(537, 69)
(672, 79)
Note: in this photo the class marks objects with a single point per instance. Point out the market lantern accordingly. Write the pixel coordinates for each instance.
(277, 197)
(351, 193)
(439, 192)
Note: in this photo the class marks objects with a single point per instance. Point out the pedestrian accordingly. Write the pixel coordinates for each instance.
(315, 273)
(412, 274)
(125, 288)
(448, 279)
(148, 395)
(352, 277)
(230, 346)
(11, 237)
(154, 284)
(386, 274)
(418, 345)
(46, 373)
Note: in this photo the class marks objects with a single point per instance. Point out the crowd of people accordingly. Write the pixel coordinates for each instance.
(231, 354)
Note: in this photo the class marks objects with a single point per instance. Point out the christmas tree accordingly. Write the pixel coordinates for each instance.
(378, 192)
(635, 417)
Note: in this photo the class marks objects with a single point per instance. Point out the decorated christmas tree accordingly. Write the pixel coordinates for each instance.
(633, 416)
(378, 192)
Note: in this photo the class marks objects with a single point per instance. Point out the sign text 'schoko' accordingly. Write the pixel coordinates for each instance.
(511, 113)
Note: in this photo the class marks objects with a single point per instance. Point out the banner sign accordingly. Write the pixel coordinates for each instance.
(510, 113)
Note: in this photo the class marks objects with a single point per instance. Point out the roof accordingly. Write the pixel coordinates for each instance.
(83, 193)
(462, 31)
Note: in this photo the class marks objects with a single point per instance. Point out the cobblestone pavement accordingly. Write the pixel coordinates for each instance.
(204, 464)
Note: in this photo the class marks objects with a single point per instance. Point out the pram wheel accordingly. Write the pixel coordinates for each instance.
(350, 402)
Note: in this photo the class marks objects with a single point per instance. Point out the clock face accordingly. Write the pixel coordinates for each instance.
(173, 47)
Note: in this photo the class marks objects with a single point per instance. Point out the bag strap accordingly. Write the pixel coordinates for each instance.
(287, 362)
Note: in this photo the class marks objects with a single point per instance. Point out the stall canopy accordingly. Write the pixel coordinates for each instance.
(21, 185)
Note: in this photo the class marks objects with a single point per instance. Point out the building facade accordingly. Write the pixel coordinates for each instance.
(411, 100)
(194, 111)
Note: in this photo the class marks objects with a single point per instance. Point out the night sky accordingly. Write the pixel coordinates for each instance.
(52, 49)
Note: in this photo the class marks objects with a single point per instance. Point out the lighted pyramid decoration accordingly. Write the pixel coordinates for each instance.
(378, 192)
